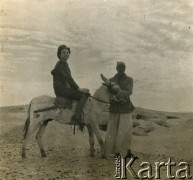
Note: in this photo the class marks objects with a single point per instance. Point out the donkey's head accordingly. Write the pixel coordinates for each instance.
(112, 86)
(106, 91)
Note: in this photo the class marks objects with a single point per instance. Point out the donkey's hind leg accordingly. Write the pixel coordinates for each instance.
(29, 131)
(23, 153)
(91, 140)
(39, 136)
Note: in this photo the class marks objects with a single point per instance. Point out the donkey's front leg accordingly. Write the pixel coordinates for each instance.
(39, 137)
(91, 140)
(95, 128)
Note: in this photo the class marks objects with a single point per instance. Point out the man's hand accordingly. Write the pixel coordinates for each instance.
(114, 98)
(122, 95)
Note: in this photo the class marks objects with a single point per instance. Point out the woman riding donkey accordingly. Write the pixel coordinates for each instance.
(65, 86)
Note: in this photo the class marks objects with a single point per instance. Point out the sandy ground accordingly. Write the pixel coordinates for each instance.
(157, 136)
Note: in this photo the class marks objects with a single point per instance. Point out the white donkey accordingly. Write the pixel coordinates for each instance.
(95, 114)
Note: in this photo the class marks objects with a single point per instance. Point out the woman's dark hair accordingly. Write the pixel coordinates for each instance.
(60, 48)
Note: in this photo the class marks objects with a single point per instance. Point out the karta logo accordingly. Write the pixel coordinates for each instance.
(147, 170)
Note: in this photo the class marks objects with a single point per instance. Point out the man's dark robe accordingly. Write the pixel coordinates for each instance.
(126, 84)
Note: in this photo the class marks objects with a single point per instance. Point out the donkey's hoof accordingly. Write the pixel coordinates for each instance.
(43, 154)
(23, 155)
(92, 154)
(103, 156)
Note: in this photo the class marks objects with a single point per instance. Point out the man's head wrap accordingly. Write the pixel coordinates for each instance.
(120, 64)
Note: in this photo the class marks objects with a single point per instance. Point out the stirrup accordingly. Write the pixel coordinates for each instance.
(77, 121)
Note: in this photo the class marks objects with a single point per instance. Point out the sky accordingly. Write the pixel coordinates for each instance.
(153, 38)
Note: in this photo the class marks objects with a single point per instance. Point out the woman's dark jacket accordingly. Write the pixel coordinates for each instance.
(64, 84)
(126, 85)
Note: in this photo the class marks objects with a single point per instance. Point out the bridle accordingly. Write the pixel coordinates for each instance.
(109, 87)
(99, 100)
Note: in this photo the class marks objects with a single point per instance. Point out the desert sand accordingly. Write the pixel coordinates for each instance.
(156, 137)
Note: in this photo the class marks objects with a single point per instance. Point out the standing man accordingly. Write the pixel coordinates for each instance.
(119, 131)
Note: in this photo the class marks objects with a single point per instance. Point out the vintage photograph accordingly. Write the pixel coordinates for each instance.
(96, 89)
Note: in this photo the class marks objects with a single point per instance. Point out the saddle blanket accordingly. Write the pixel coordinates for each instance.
(62, 109)
(62, 102)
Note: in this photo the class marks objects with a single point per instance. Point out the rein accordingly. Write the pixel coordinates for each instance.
(99, 100)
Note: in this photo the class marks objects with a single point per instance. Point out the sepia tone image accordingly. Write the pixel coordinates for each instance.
(96, 89)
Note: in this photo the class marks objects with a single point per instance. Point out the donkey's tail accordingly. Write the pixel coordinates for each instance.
(27, 122)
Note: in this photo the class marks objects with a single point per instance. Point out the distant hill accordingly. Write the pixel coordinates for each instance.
(139, 113)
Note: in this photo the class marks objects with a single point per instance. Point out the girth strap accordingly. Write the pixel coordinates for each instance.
(45, 109)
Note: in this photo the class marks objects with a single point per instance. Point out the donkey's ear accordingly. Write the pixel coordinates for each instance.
(104, 78)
